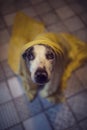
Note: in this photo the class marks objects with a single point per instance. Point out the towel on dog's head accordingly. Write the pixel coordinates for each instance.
(28, 32)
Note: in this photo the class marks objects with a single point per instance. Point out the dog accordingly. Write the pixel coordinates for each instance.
(41, 62)
(48, 70)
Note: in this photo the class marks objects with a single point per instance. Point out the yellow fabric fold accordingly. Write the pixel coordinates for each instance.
(24, 30)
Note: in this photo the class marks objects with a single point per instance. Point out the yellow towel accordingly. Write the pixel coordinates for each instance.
(28, 32)
(24, 30)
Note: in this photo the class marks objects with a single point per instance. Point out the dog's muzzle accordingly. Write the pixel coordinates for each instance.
(41, 76)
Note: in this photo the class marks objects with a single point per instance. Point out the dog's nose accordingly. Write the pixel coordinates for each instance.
(41, 76)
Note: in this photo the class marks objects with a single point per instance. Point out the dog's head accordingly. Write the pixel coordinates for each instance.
(40, 60)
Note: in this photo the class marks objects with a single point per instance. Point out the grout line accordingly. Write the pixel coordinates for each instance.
(54, 10)
(12, 100)
(3, 73)
(78, 15)
(80, 81)
(45, 109)
(20, 123)
(76, 94)
(82, 120)
(73, 33)
(73, 115)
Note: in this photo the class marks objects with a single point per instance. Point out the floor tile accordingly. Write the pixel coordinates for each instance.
(74, 128)
(58, 16)
(83, 16)
(81, 34)
(60, 117)
(36, 1)
(57, 3)
(71, 1)
(39, 122)
(21, 102)
(83, 124)
(74, 24)
(28, 109)
(9, 19)
(3, 52)
(2, 24)
(15, 87)
(46, 104)
(8, 115)
(65, 12)
(4, 93)
(42, 8)
(20, 4)
(49, 18)
(73, 86)
(10, 30)
(81, 73)
(77, 8)
(7, 6)
(17, 127)
(58, 28)
(37, 18)
(78, 105)
(29, 11)
(2, 75)
(8, 72)
(4, 36)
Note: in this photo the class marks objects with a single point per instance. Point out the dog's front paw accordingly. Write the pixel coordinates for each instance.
(56, 98)
(31, 95)
(51, 99)
(43, 93)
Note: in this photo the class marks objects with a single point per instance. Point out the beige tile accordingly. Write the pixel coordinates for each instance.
(82, 75)
(73, 86)
(77, 8)
(29, 11)
(4, 36)
(74, 24)
(2, 24)
(36, 1)
(39, 122)
(59, 27)
(15, 87)
(65, 12)
(4, 93)
(7, 70)
(49, 18)
(81, 34)
(2, 75)
(42, 8)
(78, 104)
(57, 3)
(17, 127)
(3, 52)
(9, 19)
(84, 17)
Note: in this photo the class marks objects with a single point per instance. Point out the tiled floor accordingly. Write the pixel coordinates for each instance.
(16, 112)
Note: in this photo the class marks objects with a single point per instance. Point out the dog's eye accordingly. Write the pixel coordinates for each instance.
(30, 56)
(50, 56)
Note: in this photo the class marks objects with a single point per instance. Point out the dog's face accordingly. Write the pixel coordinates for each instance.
(40, 60)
